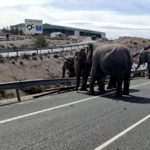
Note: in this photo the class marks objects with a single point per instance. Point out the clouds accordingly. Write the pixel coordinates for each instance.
(116, 19)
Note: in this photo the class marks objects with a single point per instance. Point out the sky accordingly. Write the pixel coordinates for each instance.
(116, 18)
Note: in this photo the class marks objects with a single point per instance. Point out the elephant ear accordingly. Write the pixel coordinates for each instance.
(143, 57)
(76, 53)
(89, 50)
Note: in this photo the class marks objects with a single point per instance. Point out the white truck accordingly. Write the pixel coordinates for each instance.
(57, 35)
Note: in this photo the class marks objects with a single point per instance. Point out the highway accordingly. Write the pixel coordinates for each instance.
(76, 121)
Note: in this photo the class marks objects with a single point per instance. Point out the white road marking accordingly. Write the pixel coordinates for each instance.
(122, 133)
(64, 105)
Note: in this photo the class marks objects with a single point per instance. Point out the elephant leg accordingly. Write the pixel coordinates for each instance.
(118, 87)
(65, 66)
(85, 77)
(126, 84)
(98, 82)
(63, 71)
(78, 74)
(83, 87)
(92, 82)
(112, 83)
(148, 71)
(102, 83)
(71, 74)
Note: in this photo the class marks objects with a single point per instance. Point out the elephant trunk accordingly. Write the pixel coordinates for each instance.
(64, 67)
(63, 72)
(138, 65)
(85, 77)
(78, 70)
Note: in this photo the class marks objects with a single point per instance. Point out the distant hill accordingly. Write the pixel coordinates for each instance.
(133, 43)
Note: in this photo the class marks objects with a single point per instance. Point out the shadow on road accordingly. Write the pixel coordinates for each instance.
(127, 98)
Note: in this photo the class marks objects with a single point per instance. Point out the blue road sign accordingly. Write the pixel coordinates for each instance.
(38, 28)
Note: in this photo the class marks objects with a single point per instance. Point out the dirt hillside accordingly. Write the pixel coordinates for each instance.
(28, 43)
(133, 43)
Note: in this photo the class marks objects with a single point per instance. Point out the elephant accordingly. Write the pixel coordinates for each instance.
(68, 64)
(82, 65)
(144, 57)
(110, 59)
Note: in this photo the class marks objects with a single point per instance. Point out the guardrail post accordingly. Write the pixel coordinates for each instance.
(18, 95)
(17, 53)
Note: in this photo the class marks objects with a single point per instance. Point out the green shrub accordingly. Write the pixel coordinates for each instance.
(55, 56)
(33, 90)
(1, 59)
(21, 62)
(40, 42)
(34, 58)
(2, 46)
(40, 56)
(13, 62)
(93, 37)
(26, 56)
(135, 43)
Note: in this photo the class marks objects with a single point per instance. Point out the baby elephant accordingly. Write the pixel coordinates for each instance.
(68, 65)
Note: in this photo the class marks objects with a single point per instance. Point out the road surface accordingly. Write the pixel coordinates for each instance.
(76, 121)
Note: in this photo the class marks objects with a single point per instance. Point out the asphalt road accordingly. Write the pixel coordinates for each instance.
(75, 121)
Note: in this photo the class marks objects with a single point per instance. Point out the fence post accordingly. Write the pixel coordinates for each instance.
(62, 48)
(18, 95)
(37, 51)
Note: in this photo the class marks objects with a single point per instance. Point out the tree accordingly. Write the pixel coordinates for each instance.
(16, 31)
(12, 31)
(7, 29)
(7, 36)
(40, 41)
(4, 30)
(93, 37)
(21, 32)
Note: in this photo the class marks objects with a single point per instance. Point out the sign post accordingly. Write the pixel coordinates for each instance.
(33, 26)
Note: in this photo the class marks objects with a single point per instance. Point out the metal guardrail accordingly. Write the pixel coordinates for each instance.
(42, 48)
(12, 38)
(28, 83)
(138, 71)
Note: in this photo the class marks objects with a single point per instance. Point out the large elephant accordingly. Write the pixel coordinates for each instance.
(144, 57)
(68, 64)
(110, 59)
